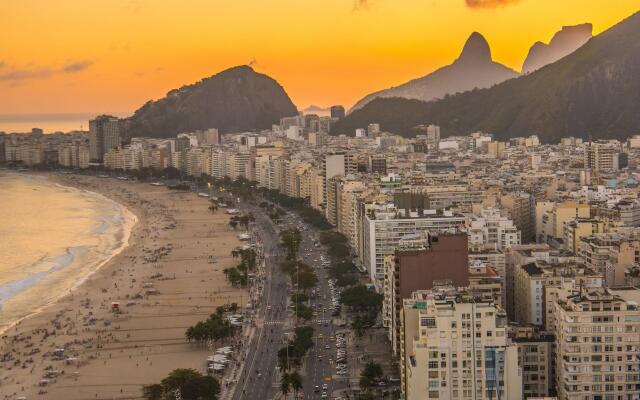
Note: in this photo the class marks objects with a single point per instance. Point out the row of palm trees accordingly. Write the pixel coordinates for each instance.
(291, 381)
(214, 329)
(239, 275)
(242, 220)
(302, 279)
(290, 240)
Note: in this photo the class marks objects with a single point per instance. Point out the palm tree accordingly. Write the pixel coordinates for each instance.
(285, 385)
(296, 382)
(291, 239)
(213, 205)
(153, 392)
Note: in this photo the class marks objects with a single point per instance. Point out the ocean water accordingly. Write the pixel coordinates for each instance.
(21, 123)
(51, 238)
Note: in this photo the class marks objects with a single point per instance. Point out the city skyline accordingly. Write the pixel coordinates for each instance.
(131, 52)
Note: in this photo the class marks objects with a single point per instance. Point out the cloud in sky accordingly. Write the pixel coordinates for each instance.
(361, 4)
(489, 3)
(76, 66)
(29, 73)
(25, 74)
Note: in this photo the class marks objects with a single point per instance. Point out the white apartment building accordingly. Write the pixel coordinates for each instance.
(455, 347)
(490, 227)
(385, 225)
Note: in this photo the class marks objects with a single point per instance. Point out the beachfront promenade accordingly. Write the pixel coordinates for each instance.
(163, 282)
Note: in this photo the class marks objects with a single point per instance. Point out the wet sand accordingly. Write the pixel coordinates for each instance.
(163, 283)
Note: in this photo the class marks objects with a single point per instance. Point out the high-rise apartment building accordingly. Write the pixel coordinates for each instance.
(337, 112)
(384, 227)
(105, 133)
(533, 279)
(336, 164)
(597, 345)
(378, 164)
(431, 259)
(520, 207)
(601, 156)
(490, 227)
(535, 358)
(454, 346)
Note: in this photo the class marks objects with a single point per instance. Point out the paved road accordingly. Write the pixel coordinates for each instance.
(260, 378)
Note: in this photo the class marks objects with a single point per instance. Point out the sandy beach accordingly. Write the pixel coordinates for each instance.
(163, 283)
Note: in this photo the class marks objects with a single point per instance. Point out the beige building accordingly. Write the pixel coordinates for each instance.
(485, 282)
(490, 256)
(533, 278)
(553, 219)
(597, 345)
(349, 195)
(496, 149)
(601, 156)
(453, 347)
(574, 230)
(611, 254)
(535, 359)
(520, 208)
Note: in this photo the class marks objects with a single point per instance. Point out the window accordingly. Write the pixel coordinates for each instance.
(428, 322)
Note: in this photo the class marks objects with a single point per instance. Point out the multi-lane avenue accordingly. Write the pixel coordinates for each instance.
(259, 377)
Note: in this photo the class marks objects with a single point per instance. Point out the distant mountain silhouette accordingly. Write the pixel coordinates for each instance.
(235, 100)
(314, 108)
(563, 43)
(593, 91)
(473, 69)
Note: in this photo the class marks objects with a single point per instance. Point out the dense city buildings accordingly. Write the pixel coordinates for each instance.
(505, 268)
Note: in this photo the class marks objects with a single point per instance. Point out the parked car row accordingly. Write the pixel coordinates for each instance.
(341, 354)
(335, 298)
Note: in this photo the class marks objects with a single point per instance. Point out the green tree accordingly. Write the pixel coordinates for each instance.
(296, 382)
(153, 392)
(361, 298)
(291, 239)
(192, 385)
(304, 312)
(285, 384)
(306, 279)
(370, 375)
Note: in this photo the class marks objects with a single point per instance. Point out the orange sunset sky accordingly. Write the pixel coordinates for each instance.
(63, 56)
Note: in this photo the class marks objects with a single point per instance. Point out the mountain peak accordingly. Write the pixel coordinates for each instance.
(474, 69)
(563, 43)
(237, 99)
(475, 49)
